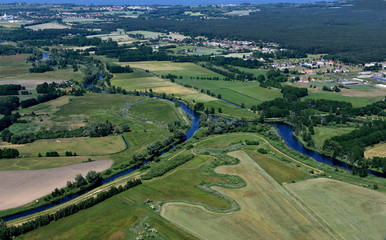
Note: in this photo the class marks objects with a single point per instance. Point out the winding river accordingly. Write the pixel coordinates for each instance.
(286, 132)
(195, 125)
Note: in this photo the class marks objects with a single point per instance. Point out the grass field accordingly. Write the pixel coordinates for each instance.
(48, 26)
(147, 122)
(278, 170)
(267, 212)
(51, 76)
(143, 81)
(378, 150)
(326, 132)
(13, 65)
(249, 93)
(123, 211)
(155, 110)
(356, 101)
(81, 146)
(353, 212)
(185, 70)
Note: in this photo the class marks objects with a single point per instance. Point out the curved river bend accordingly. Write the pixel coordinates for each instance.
(286, 132)
(195, 125)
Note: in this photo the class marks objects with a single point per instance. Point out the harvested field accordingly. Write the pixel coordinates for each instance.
(267, 210)
(378, 150)
(47, 26)
(81, 145)
(353, 212)
(21, 187)
(28, 84)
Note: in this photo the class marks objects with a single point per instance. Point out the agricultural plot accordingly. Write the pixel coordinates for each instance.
(119, 36)
(128, 209)
(353, 212)
(356, 101)
(378, 150)
(249, 93)
(81, 146)
(155, 110)
(186, 70)
(326, 132)
(47, 26)
(266, 210)
(21, 187)
(13, 65)
(51, 76)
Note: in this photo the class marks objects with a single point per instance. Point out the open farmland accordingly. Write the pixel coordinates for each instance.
(50, 76)
(47, 26)
(378, 150)
(21, 187)
(249, 93)
(355, 100)
(353, 212)
(186, 70)
(266, 210)
(128, 209)
(13, 65)
(81, 146)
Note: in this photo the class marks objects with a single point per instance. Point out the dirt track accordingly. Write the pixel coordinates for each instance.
(21, 187)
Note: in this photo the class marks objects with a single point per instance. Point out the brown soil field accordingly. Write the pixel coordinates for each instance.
(353, 212)
(378, 150)
(21, 187)
(267, 211)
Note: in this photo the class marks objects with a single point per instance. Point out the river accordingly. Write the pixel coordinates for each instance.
(286, 132)
(195, 125)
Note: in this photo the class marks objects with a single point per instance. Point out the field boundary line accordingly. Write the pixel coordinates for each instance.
(288, 194)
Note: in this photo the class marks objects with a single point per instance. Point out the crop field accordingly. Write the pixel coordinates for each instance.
(147, 34)
(119, 36)
(48, 26)
(356, 101)
(13, 65)
(325, 132)
(80, 20)
(81, 146)
(37, 163)
(353, 212)
(51, 76)
(21, 187)
(155, 110)
(378, 150)
(266, 210)
(255, 72)
(73, 112)
(278, 170)
(186, 70)
(249, 93)
(122, 212)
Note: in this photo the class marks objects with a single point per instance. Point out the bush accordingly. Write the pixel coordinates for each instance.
(262, 151)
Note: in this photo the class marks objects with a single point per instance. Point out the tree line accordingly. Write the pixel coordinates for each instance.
(9, 232)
